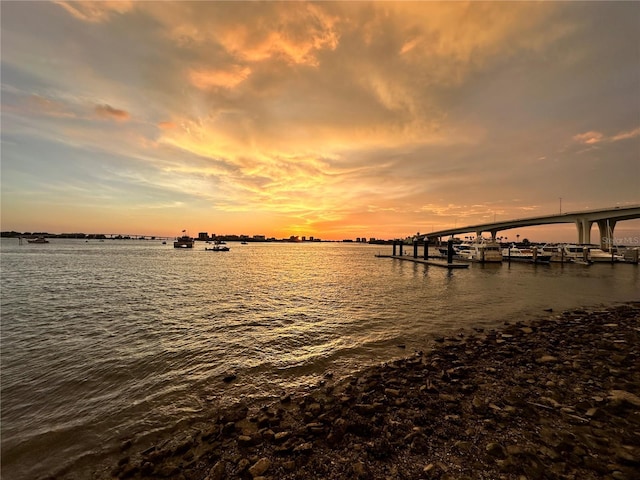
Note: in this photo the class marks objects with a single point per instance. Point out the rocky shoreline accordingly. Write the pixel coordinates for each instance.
(555, 398)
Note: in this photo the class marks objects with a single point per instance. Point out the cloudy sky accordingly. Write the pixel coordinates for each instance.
(336, 120)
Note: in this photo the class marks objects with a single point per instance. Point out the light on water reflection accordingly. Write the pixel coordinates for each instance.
(107, 341)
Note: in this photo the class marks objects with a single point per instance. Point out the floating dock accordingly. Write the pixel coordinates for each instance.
(434, 263)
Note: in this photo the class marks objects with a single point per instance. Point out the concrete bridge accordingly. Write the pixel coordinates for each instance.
(605, 218)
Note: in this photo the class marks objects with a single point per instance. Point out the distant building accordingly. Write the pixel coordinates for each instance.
(203, 236)
(259, 238)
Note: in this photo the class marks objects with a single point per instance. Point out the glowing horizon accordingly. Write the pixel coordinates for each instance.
(334, 119)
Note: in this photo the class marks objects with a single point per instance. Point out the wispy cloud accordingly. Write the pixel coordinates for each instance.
(95, 12)
(110, 113)
(592, 137)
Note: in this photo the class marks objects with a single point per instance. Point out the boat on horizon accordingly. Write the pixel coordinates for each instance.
(184, 241)
(218, 247)
(37, 240)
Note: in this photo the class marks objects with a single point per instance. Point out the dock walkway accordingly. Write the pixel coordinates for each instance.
(434, 263)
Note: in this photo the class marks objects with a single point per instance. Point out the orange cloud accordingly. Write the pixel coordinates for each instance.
(167, 125)
(108, 112)
(592, 137)
(626, 135)
(589, 138)
(204, 79)
(95, 12)
(49, 107)
(293, 32)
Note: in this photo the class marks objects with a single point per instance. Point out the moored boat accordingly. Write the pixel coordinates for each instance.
(528, 255)
(482, 251)
(596, 254)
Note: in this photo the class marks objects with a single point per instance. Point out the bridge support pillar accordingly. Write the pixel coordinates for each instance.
(606, 233)
(584, 230)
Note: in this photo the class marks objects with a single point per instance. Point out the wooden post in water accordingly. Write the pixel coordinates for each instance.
(535, 254)
(415, 248)
(449, 251)
(585, 254)
(426, 248)
(509, 254)
(394, 248)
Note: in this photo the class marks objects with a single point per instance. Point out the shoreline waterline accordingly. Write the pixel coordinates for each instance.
(486, 394)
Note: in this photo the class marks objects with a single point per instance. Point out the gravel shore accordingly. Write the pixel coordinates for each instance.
(556, 398)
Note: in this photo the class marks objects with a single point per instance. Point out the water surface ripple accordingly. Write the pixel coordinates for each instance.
(108, 341)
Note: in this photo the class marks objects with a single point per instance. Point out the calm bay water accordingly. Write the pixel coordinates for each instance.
(107, 341)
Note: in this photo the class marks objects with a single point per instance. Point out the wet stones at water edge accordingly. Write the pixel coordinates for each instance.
(551, 399)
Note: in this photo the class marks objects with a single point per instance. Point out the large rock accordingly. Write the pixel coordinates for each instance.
(260, 467)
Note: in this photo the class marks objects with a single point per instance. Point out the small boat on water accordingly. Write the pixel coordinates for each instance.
(185, 241)
(37, 240)
(528, 255)
(218, 247)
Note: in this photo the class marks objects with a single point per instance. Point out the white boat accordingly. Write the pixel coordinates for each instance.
(218, 247)
(529, 255)
(482, 252)
(589, 254)
(574, 253)
(560, 253)
(596, 254)
(38, 240)
(461, 251)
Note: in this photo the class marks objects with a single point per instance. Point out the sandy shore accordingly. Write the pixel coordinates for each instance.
(557, 398)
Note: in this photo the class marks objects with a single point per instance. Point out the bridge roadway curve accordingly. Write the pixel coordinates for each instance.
(605, 218)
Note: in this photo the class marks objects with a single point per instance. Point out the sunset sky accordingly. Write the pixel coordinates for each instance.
(334, 120)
